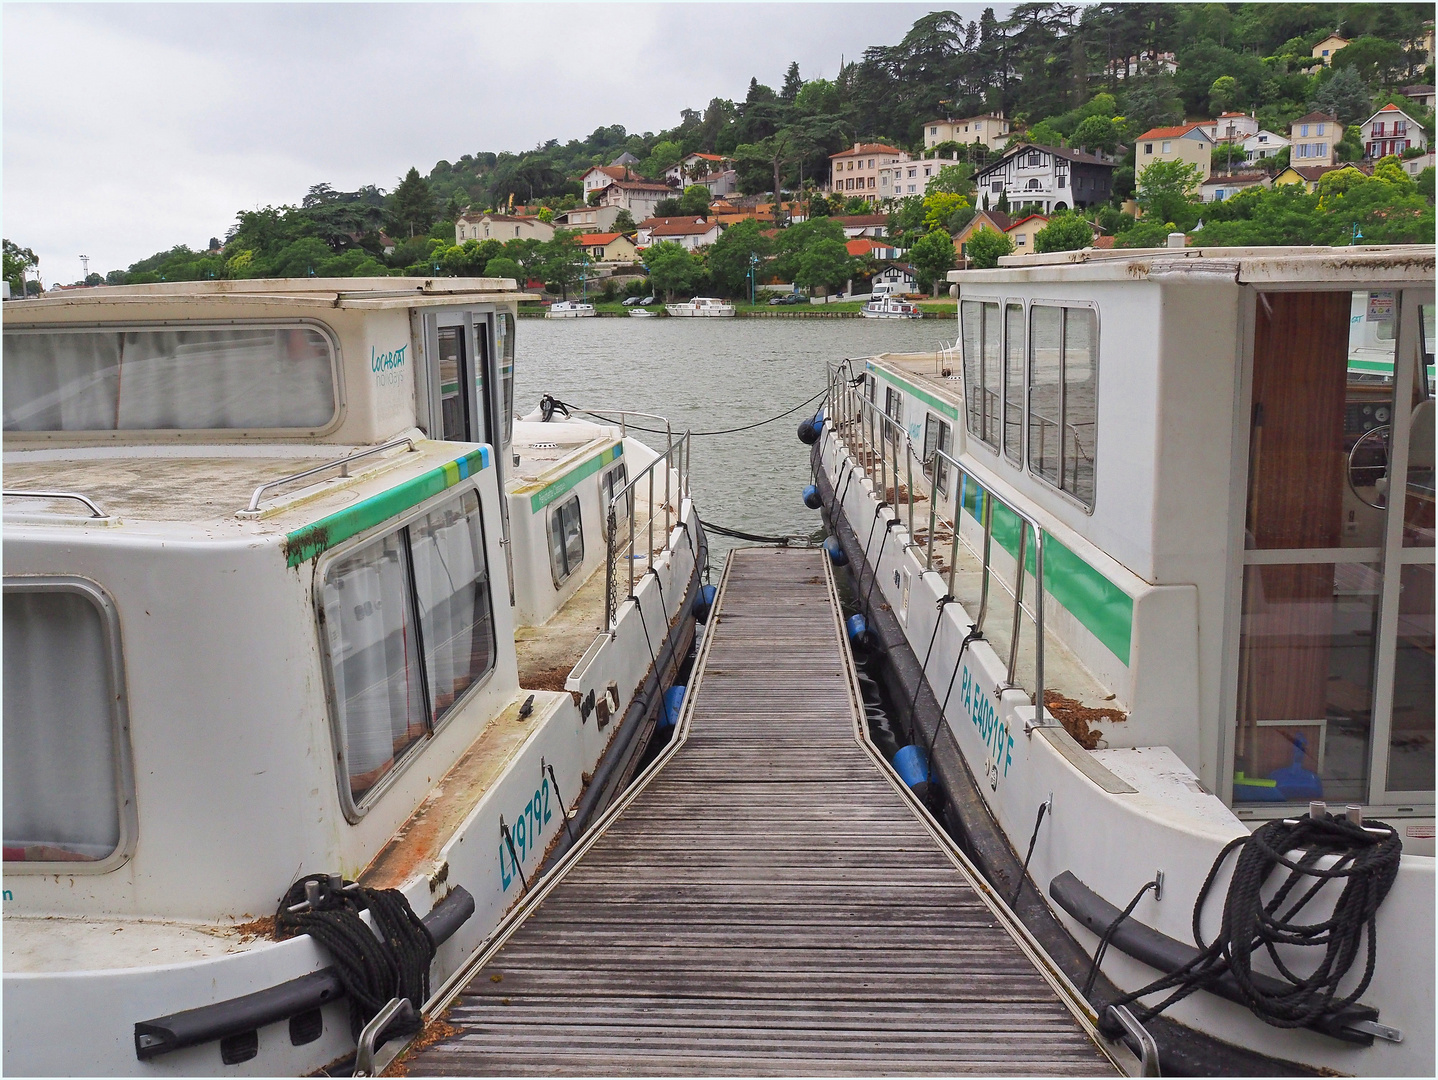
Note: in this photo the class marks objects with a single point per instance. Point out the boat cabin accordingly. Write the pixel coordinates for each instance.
(1231, 454)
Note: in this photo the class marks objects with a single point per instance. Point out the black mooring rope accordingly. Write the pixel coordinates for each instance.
(1367, 856)
(373, 970)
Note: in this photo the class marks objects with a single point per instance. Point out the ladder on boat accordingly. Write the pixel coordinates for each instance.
(767, 898)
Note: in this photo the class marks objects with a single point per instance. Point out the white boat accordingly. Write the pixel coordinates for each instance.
(289, 593)
(1145, 554)
(701, 307)
(570, 309)
(642, 313)
(890, 307)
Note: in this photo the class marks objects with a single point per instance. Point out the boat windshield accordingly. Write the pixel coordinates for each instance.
(135, 379)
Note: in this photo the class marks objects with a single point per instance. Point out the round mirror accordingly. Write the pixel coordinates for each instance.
(1368, 467)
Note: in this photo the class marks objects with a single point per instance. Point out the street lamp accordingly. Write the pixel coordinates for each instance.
(753, 263)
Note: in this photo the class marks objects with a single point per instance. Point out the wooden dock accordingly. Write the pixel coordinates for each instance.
(766, 900)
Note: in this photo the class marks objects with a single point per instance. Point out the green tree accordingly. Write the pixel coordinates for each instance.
(1344, 96)
(671, 268)
(412, 205)
(670, 207)
(302, 258)
(665, 153)
(695, 201)
(1168, 192)
(624, 222)
(792, 84)
(1066, 231)
(932, 256)
(560, 261)
(939, 206)
(952, 180)
(1373, 59)
(1096, 133)
(1041, 134)
(825, 263)
(18, 262)
(985, 247)
(728, 257)
(1424, 184)
(1223, 93)
(1146, 234)
(505, 267)
(1153, 103)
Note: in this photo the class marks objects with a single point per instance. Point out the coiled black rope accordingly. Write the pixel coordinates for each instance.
(565, 407)
(1367, 859)
(373, 969)
(1103, 943)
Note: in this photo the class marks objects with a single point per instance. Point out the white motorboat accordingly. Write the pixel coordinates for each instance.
(291, 598)
(701, 307)
(642, 313)
(890, 307)
(1163, 553)
(570, 309)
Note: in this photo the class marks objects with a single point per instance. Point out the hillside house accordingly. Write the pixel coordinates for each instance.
(688, 232)
(863, 247)
(993, 220)
(897, 279)
(1219, 187)
(601, 176)
(692, 166)
(856, 171)
(1391, 131)
(501, 227)
(1313, 139)
(908, 178)
(1231, 127)
(1309, 175)
(639, 197)
(1263, 144)
(855, 225)
(1047, 177)
(1023, 231)
(609, 247)
(1325, 49)
(1183, 142)
(1422, 96)
(992, 131)
(589, 218)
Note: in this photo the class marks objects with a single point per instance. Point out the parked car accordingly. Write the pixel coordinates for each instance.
(787, 298)
(646, 301)
(632, 300)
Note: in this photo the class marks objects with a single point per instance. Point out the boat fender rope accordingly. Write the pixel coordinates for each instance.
(874, 570)
(1033, 840)
(372, 969)
(548, 405)
(974, 634)
(1103, 943)
(545, 767)
(1368, 857)
(924, 668)
(664, 610)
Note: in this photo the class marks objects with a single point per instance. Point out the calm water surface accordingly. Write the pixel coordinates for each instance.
(706, 374)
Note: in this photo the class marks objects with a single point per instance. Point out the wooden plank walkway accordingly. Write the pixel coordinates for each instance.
(767, 903)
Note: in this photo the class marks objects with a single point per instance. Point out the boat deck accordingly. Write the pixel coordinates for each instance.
(766, 900)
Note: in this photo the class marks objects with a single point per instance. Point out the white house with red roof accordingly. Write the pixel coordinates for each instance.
(601, 176)
(609, 247)
(1391, 131)
(862, 247)
(502, 227)
(639, 197)
(855, 172)
(1181, 142)
(1231, 127)
(688, 232)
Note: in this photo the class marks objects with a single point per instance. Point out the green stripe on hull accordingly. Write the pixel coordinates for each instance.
(1100, 605)
(547, 494)
(313, 540)
(927, 398)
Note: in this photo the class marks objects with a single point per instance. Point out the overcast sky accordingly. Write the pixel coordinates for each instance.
(130, 128)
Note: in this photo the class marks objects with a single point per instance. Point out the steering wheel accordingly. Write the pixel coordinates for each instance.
(1368, 467)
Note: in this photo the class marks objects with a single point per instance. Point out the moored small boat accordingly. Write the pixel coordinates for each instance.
(890, 307)
(701, 307)
(570, 309)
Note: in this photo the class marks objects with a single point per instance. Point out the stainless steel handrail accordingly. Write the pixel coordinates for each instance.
(343, 464)
(602, 414)
(868, 433)
(675, 458)
(95, 511)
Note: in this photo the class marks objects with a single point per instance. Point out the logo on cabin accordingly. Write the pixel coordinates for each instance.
(386, 365)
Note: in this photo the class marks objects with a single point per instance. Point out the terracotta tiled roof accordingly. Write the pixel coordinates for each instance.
(708, 157)
(1317, 118)
(999, 218)
(866, 221)
(1021, 221)
(1102, 242)
(1237, 178)
(863, 245)
(683, 228)
(598, 239)
(1177, 132)
(866, 148)
(655, 222)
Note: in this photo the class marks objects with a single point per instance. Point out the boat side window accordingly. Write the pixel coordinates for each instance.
(202, 378)
(614, 483)
(504, 333)
(409, 627)
(65, 769)
(1014, 383)
(566, 540)
(937, 436)
(1063, 398)
(982, 360)
(894, 410)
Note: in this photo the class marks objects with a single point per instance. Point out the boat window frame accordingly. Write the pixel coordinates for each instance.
(557, 509)
(1030, 305)
(124, 763)
(996, 447)
(330, 335)
(354, 811)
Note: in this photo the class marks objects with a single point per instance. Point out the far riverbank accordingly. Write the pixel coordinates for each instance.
(847, 309)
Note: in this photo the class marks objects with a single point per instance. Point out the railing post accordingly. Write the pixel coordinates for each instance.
(1039, 624)
(611, 548)
(630, 560)
(649, 525)
(933, 511)
(987, 518)
(960, 478)
(909, 482)
(1018, 600)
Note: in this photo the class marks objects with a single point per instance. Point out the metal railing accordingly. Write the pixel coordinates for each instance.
(876, 442)
(624, 528)
(343, 464)
(95, 511)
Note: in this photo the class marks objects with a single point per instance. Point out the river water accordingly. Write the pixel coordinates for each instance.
(708, 374)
